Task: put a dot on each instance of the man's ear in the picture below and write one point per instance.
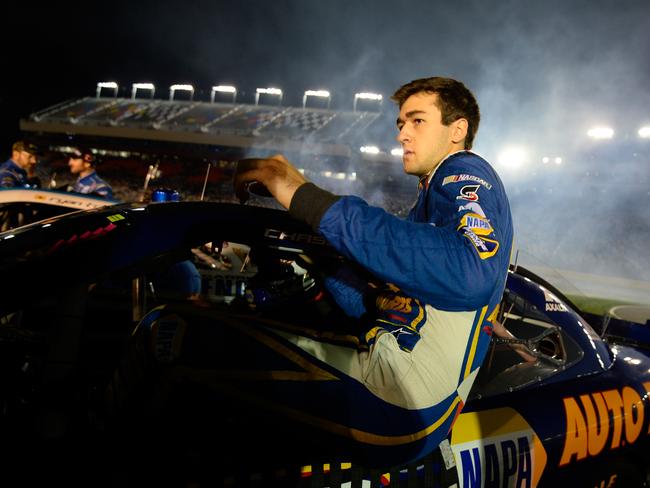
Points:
(459, 131)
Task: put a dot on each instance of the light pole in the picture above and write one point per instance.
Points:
(316, 93)
(223, 89)
(109, 85)
(366, 96)
(142, 86)
(268, 91)
(175, 88)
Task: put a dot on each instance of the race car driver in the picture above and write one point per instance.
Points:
(395, 396)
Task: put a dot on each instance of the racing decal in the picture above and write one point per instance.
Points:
(115, 217)
(473, 207)
(167, 337)
(52, 198)
(296, 237)
(552, 303)
(468, 192)
(610, 482)
(486, 247)
(479, 225)
(76, 238)
(589, 425)
(457, 178)
(307, 470)
(497, 448)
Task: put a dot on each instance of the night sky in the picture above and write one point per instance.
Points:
(539, 68)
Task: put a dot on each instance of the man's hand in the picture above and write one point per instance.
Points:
(276, 174)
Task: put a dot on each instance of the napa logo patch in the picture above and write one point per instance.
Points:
(473, 207)
(497, 448)
(486, 247)
(478, 224)
(457, 178)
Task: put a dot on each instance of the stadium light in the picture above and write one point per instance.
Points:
(397, 151)
(268, 91)
(175, 88)
(601, 133)
(556, 160)
(316, 93)
(107, 84)
(369, 149)
(513, 157)
(142, 86)
(366, 96)
(644, 132)
(223, 89)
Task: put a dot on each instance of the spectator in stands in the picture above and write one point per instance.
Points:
(18, 171)
(83, 163)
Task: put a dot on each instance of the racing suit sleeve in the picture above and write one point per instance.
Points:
(344, 285)
(349, 290)
(443, 265)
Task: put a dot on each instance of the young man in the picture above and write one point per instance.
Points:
(82, 162)
(392, 396)
(17, 171)
(448, 260)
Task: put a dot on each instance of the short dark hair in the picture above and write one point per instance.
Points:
(455, 101)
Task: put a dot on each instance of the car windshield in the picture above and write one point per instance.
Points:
(593, 294)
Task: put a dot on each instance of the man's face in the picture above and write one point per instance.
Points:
(77, 165)
(424, 139)
(25, 160)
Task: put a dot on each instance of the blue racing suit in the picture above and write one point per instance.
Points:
(92, 183)
(12, 175)
(446, 264)
(393, 394)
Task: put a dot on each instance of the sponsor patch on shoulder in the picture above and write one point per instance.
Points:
(457, 178)
(479, 225)
(472, 207)
(486, 247)
(468, 192)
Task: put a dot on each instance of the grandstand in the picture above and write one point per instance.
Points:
(114, 122)
(579, 206)
(185, 136)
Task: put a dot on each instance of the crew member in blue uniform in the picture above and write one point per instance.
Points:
(391, 393)
(83, 163)
(17, 171)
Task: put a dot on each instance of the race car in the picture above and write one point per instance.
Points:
(560, 400)
(20, 206)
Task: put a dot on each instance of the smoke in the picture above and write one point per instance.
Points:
(545, 78)
(543, 73)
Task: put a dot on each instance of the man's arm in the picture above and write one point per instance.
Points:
(438, 264)
(276, 174)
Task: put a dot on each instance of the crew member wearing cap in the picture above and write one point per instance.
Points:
(82, 163)
(17, 171)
